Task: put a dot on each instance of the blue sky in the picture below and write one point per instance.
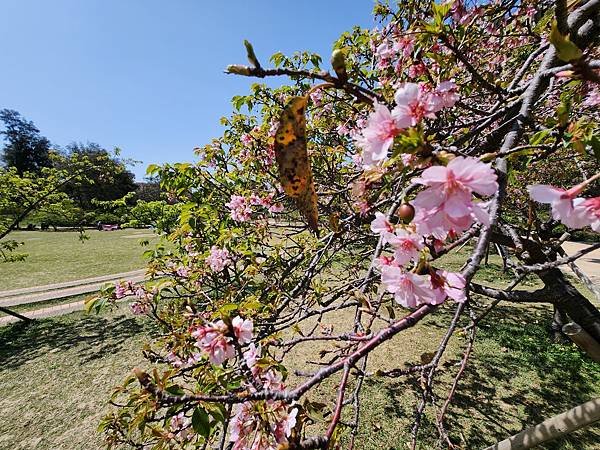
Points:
(147, 75)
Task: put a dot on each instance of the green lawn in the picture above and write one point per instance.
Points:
(56, 376)
(54, 257)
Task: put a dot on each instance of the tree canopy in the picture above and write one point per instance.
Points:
(24, 148)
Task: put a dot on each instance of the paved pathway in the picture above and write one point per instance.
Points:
(67, 289)
(58, 291)
(588, 263)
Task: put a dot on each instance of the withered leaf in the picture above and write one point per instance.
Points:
(295, 173)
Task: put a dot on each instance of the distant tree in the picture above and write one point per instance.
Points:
(148, 190)
(109, 180)
(24, 148)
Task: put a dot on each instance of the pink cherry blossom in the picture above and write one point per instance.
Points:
(410, 290)
(590, 207)
(406, 245)
(120, 290)
(214, 342)
(246, 139)
(362, 207)
(561, 202)
(263, 426)
(404, 45)
(242, 328)
(411, 105)
(445, 95)
(218, 259)
(592, 98)
(251, 356)
(181, 426)
(384, 55)
(449, 284)
(276, 208)
(381, 224)
(139, 308)
(255, 199)
(447, 204)
(384, 260)
(378, 135)
(240, 208)
(416, 70)
(182, 271)
(461, 174)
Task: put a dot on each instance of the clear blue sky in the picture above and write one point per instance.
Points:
(147, 75)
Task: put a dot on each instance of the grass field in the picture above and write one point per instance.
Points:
(56, 376)
(54, 257)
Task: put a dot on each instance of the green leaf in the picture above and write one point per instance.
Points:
(567, 50)
(200, 422)
(538, 137)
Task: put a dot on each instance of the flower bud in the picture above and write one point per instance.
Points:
(406, 212)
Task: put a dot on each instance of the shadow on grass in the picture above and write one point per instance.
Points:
(517, 377)
(94, 336)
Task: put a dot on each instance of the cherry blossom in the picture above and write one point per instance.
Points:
(218, 259)
(246, 139)
(120, 290)
(240, 208)
(242, 328)
(250, 429)
(591, 208)
(378, 135)
(412, 105)
(407, 245)
(561, 202)
(181, 426)
(447, 204)
(404, 45)
(381, 224)
(138, 308)
(410, 290)
(182, 271)
(214, 342)
(448, 284)
(445, 95)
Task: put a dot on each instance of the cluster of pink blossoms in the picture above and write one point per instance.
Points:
(218, 259)
(253, 148)
(128, 288)
(410, 289)
(241, 207)
(250, 430)
(262, 425)
(124, 288)
(447, 204)
(181, 427)
(413, 103)
(442, 210)
(572, 211)
(215, 341)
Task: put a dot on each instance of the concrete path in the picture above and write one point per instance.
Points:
(588, 263)
(57, 291)
(51, 311)
(67, 289)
